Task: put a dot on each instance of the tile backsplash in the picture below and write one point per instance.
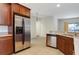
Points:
(3, 30)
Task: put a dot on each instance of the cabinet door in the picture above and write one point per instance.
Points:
(58, 41)
(21, 9)
(69, 46)
(5, 14)
(24, 11)
(9, 45)
(63, 44)
(27, 12)
(16, 8)
(6, 45)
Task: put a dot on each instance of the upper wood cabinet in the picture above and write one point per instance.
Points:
(24, 11)
(21, 9)
(7, 9)
(5, 14)
(16, 8)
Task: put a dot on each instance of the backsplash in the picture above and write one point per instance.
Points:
(3, 30)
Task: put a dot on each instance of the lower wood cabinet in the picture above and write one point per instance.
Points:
(6, 45)
(65, 44)
(69, 46)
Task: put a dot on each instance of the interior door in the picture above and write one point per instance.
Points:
(27, 32)
(18, 33)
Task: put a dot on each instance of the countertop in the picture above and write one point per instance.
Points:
(67, 35)
(4, 35)
(71, 35)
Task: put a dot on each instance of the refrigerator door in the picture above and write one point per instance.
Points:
(26, 32)
(18, 33)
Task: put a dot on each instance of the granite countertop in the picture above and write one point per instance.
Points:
(63, 34)
(67, 35)
(71, 35)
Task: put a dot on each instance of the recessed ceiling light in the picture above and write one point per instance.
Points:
(58, 5)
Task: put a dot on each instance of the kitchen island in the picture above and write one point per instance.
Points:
(64, 42)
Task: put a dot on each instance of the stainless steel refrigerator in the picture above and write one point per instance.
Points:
(21, 32)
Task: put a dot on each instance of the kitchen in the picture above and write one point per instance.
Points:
(15, 28)
(42, 23)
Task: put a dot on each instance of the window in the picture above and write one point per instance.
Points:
(73, 27)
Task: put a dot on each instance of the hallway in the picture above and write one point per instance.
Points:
(38, 47)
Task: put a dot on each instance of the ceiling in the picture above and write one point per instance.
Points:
(50, 9)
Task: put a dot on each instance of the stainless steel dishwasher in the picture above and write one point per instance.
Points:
(52, 40)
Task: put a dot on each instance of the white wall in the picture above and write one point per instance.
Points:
(41, 28)
(55, 24)
(33, 26)
(45, 24)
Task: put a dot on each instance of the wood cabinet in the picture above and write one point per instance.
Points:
(7, 10)
(5, 14)
(61, 43)
(21, 9)
(15, 8)
(6, 45)
(69, 46)
(65, 44)
(24, 11)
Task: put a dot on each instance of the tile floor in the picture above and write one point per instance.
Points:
(38, 47)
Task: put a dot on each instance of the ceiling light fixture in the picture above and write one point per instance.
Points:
(58, 5)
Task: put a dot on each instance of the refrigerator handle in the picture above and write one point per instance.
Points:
(23, 35)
